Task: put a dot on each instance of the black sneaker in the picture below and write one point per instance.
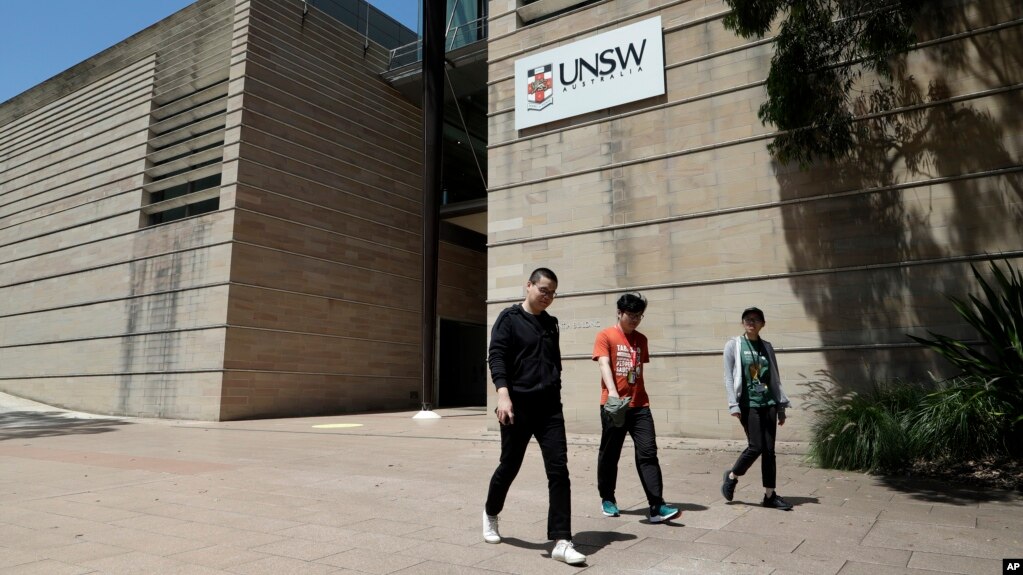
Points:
(776, 502)
(728, 486)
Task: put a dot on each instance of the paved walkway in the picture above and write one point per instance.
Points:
(383, 493)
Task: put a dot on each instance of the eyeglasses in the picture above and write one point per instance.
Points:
(547, 292)
(752, 320)
(633, 316)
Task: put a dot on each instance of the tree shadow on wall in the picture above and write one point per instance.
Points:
(35, 424)
(939, 180)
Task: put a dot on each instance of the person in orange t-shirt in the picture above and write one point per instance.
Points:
(621, 351)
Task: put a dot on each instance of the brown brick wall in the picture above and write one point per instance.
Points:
(302, 293)
(324, 312)
(97, 314)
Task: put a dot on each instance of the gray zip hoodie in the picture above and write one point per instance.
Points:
(733, 376)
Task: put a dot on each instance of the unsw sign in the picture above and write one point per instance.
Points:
(616, 67)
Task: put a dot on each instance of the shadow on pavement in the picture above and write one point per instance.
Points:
(797, 501)
(691, 507)
(516, 542)
(597, 540)
(594, 540)
(33, 424)
(794, 500)
(938, 491)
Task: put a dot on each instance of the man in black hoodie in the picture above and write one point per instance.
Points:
(525, 364)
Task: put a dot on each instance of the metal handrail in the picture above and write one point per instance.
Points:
(468, 33)
(462, 35)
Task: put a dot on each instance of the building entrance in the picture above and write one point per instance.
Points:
(463, 360)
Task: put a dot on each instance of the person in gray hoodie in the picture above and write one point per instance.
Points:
(525, 364)
(756, 399)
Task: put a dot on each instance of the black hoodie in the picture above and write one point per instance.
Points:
(525, 354)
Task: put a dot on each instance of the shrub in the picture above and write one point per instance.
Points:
(961, 420)
(982, 412)
(976, 414)
(861, 431)
(998, 319)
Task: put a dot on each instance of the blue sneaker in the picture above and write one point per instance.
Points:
(609, 508)
(662, 513)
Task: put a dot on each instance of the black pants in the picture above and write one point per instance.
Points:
(639, 423)
(760, 425)
(545, 421)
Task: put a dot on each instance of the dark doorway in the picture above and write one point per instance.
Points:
(463, 364)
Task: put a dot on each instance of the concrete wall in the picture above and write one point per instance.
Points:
(299, 295)
(677, 197)
(96, 312)
(324, 312)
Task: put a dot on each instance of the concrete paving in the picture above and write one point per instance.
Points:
(384, 493)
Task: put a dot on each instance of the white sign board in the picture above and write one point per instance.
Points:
(616, 67)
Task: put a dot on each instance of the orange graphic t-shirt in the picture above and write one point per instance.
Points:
(625, 353)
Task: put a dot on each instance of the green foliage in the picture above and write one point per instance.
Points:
(894, 425)
(961, 420)
(822, 48)
(977, 414)
(861, 431)
(998, 318)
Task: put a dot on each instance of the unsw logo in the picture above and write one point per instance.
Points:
(539, 87)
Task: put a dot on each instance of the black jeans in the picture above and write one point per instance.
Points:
(760, 425)
(544, 420)
(639, 423)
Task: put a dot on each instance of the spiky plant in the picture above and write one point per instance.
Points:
(997, 316)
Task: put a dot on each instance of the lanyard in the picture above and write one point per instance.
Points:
(632, 350)
(754, 368)
(754, 350)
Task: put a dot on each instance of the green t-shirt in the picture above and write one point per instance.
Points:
(755, 361)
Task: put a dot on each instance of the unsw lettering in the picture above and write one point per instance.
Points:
(604, 63)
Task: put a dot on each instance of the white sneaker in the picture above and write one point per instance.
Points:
(565, 551)
(490, 532)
